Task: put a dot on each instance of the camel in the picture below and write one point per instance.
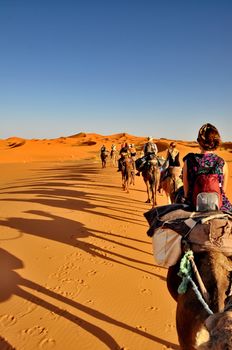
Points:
(128, 173)
(151, 177)
(104, 156)
(114, 157)
(172, 183)
(214, 268)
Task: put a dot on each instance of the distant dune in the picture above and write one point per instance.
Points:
(80, 146)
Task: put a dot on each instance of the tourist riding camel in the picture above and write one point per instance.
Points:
(194, 241)
(103, 149)
(113, 155)
(173, 155)
(150, 148)
(127, 171)
(171, 164)
(206, 163)
(172, 159)
(113, 149)
(132, 150)
(103, 155)
(123, 151)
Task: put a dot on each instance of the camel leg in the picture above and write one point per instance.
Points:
(127, 186)
(148, 194)
(132, 178)
(123, 181)
(153, 196)
(154, 200)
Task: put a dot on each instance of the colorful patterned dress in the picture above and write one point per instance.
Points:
(211, 163)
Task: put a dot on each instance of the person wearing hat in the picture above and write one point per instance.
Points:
(150, 148)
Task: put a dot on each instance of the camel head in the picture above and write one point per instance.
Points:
(217, 335)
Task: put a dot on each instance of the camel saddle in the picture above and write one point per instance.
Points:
(172, 224)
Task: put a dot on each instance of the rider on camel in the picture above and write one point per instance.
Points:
(150, 148)
(123, 151)
(209, 141)
(172, 160)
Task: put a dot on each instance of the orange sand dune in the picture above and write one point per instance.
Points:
(77, 270)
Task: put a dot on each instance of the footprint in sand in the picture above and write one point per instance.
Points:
(146, 277)
(66, 280)
(64, 271)
(47, 343)
(64, 293)
(7, 320)
(169, 327)
(53, 316)
(91, 273)
(27, 308)
(152, 308)
(141, 328)
(82, 282)
(146, 291)
(35, 331)
(107, 263)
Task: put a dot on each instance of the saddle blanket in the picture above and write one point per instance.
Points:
(171, 224)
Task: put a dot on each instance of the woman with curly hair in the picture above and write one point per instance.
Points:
(207, 161)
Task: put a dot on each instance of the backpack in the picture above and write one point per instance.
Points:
(149, 148)
(207, 194)
(140, 163)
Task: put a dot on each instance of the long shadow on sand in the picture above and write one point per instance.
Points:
(12, 283)
(69, 231)
(50, 193)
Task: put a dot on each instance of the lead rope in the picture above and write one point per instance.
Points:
(186, 265)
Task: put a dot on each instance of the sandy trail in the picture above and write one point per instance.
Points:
(77, 271)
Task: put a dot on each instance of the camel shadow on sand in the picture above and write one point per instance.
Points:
(54, 193)
(13, 284)
(50, 193)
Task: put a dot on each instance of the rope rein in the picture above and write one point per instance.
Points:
(187, 264)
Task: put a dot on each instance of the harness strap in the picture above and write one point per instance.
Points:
(199, 280)
(187, 264)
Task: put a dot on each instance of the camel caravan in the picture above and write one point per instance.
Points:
(191, 235)
(149, 164)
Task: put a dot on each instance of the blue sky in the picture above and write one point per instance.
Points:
(146, 67)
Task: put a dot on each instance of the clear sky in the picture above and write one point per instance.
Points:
(146, 67)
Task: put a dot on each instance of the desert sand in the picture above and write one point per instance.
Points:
(77, 269)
